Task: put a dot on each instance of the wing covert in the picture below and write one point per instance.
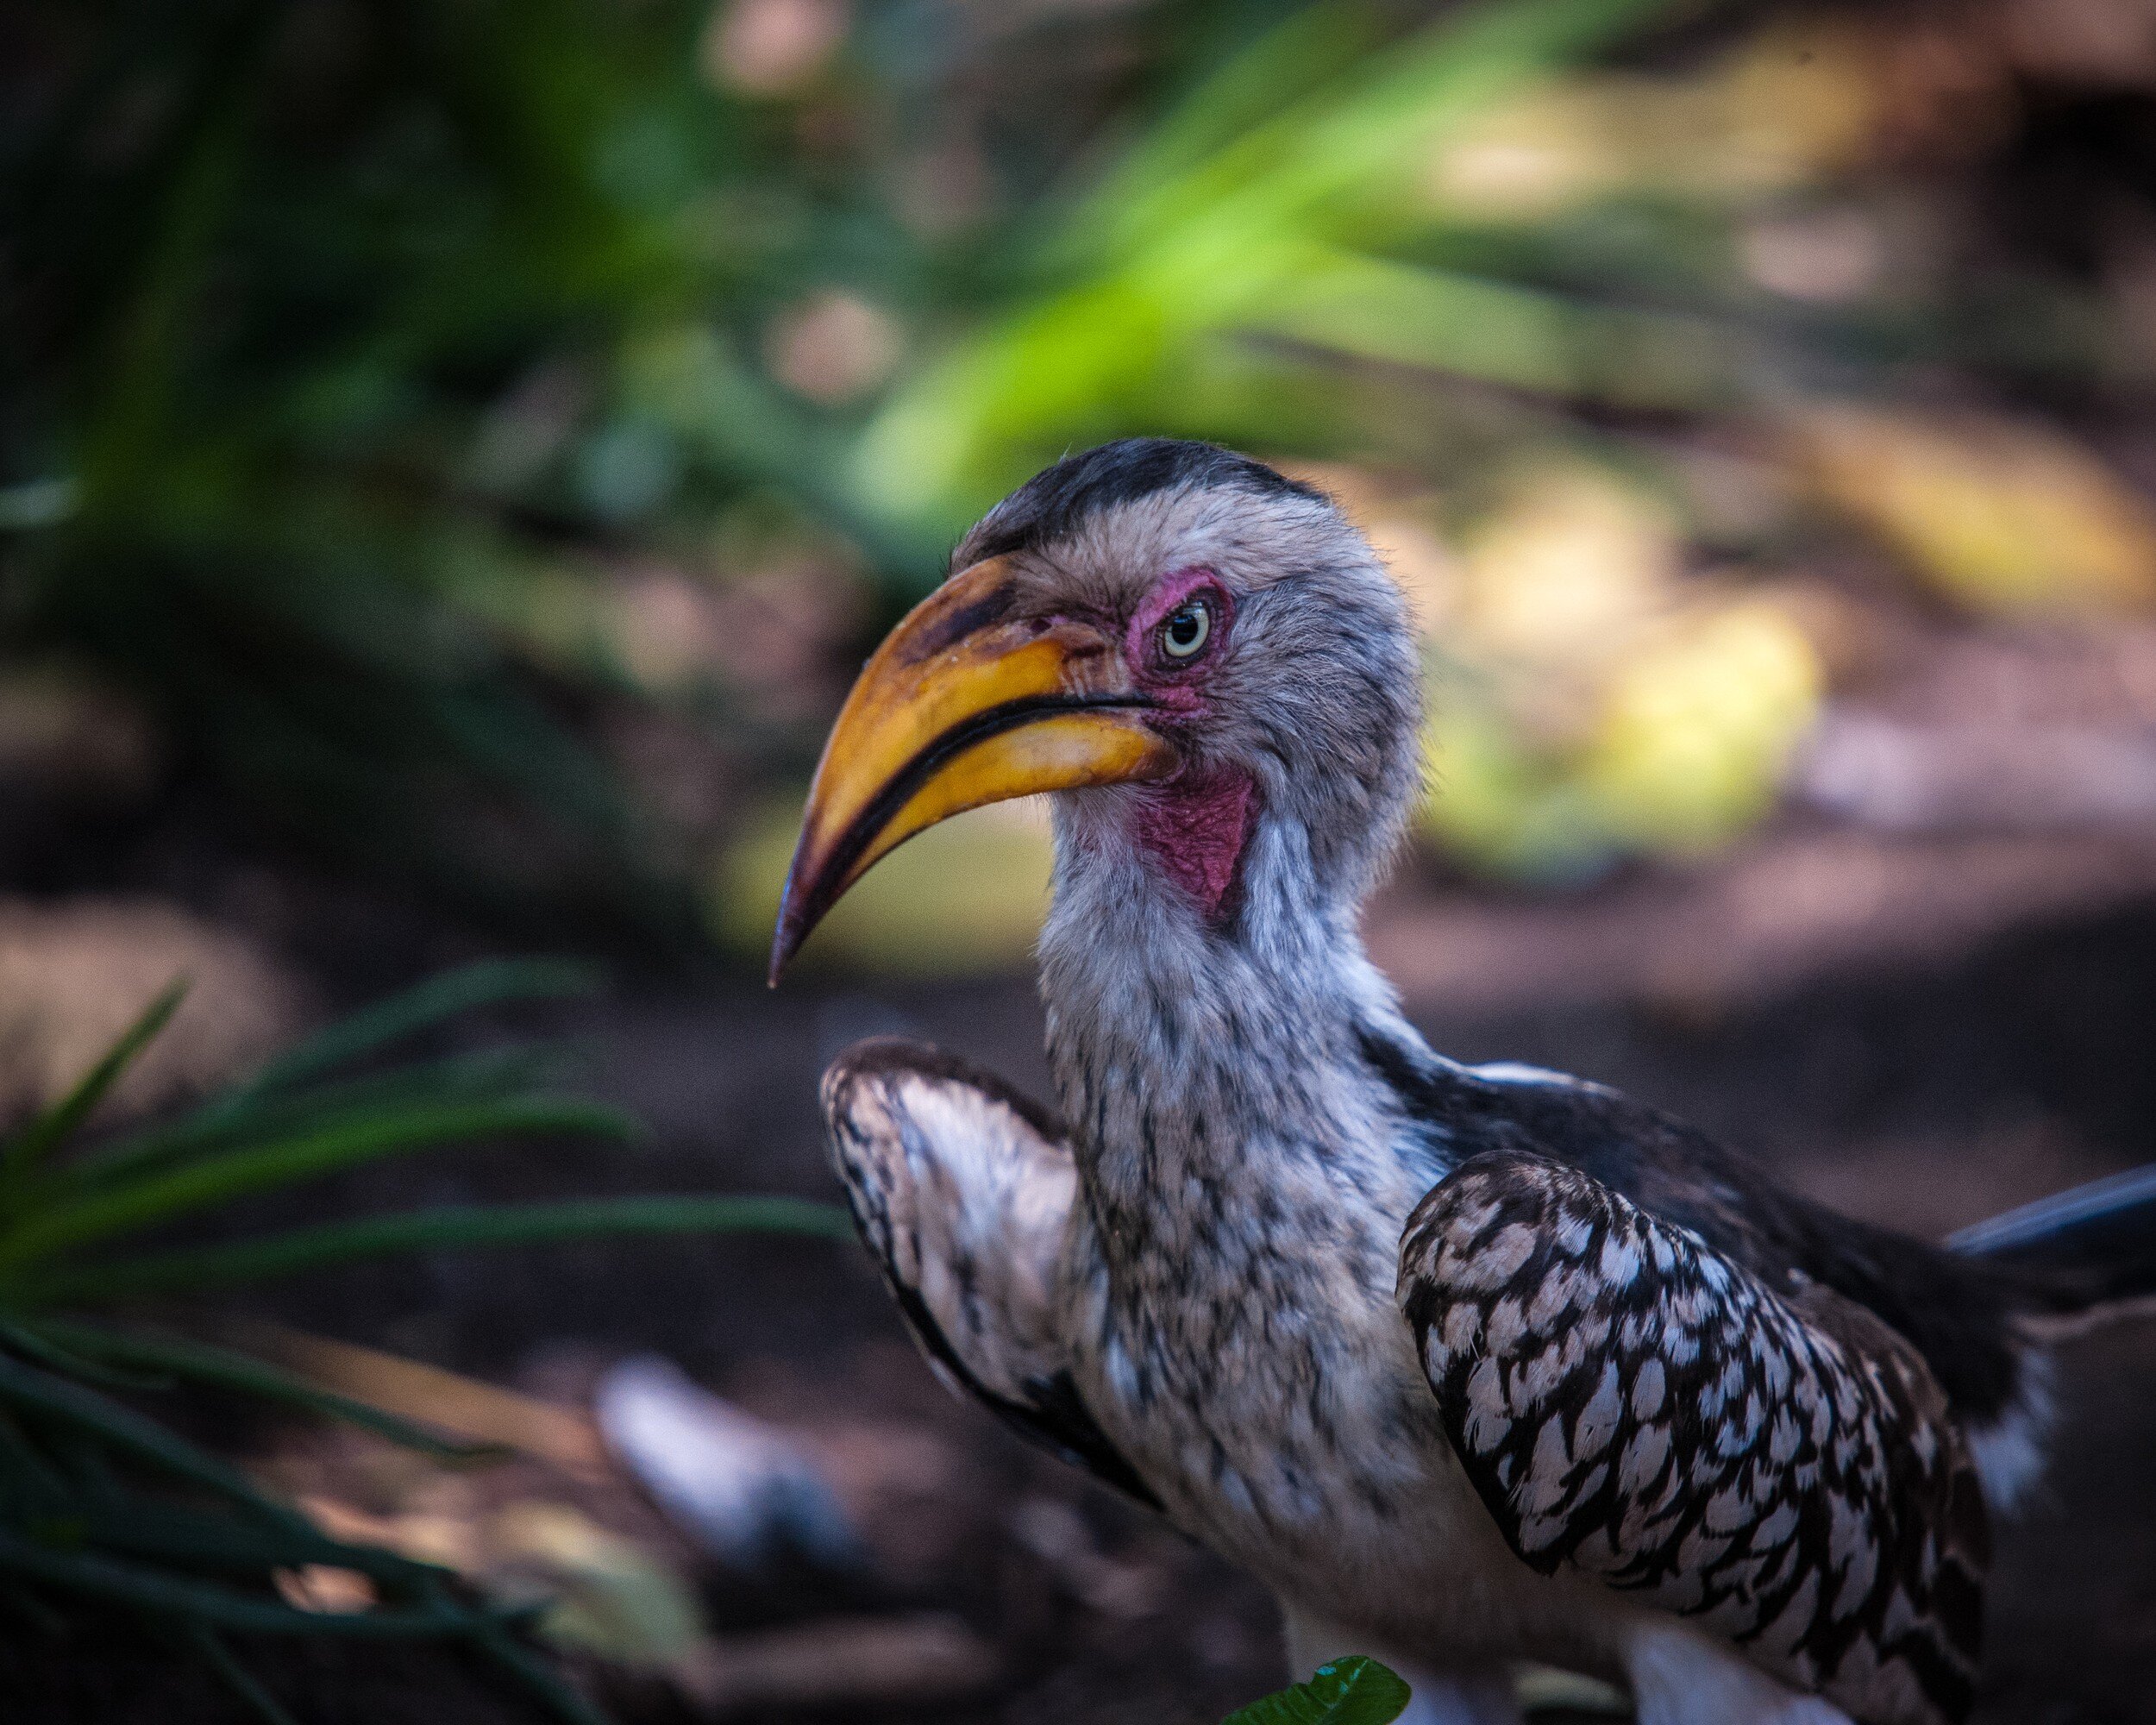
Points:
(1772, 1461)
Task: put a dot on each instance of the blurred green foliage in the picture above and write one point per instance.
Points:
(346, 336)
(477, 433)
(102, 1501)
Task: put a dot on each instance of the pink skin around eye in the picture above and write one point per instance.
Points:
(1178, 688)
(1197, 824)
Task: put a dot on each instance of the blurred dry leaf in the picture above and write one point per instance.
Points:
(461, 1407)
(766, 47)
(2000, 515)
(324, 1588)
(450, 1537)
(1827, 256)
(1786, 109)
(833, 347)
(611, 1595)
(75, 974)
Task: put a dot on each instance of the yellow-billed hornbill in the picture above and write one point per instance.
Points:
(1471, 1365)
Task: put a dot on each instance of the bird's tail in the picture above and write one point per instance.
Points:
(2082, 1255)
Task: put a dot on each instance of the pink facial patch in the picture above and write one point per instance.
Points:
(1196, 829)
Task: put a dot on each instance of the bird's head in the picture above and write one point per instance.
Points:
(1183, 643)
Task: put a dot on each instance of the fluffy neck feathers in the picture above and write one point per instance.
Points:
(1210, 1066)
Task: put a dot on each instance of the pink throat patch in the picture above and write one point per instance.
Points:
(1196, 829)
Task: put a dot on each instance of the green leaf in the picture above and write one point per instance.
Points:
(491, 982)
(227, 1370)
(37, 1139)
(54, 1355)
(491, 1074)
(361, 1136)
(245, 1687)
(131, 1526)
(450, 1228)
(1354, 1691)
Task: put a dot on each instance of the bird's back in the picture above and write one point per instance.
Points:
(1957, 1311)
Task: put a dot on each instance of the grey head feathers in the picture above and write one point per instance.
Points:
(1317, 693)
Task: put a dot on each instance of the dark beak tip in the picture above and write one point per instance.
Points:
(786, 941)
(799, 911)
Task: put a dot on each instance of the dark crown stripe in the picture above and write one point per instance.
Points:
(1056, 501)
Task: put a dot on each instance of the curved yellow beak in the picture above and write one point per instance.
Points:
(961, 705)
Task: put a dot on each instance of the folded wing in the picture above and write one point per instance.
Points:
(1770, 1460)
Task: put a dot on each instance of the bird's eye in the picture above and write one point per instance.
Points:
(1184, 632)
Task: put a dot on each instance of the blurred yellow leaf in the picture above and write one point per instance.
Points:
(1697, 728)
(1996, 515)
(1495, 803)
(1591, 700)
(1572, 565)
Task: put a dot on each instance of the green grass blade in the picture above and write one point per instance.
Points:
(42, 1395)
(225, 1369)
(36, 1140)
(491, 1074)
(362, 1136)
(56, 1356)
(195, 1539)
(245, 1687)
(531, 1674)
(449, 1228)
(491, 982)
(42, 1618)
(229, 1607)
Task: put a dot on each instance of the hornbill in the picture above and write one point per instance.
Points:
(1472, 1365)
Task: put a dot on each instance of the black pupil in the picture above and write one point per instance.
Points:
(1183, 628)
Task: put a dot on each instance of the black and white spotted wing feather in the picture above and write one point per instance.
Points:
(1770, 1460)
(963, 1190)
